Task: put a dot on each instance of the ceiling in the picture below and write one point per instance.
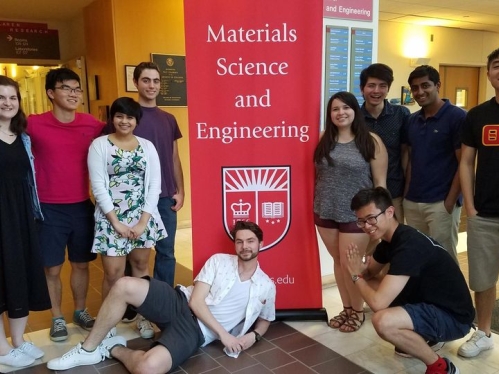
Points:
(466, 14)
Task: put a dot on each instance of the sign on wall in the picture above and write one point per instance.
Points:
(360, 10)
(173, 90)
(25, 42)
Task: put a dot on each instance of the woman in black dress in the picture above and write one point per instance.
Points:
(22, 280)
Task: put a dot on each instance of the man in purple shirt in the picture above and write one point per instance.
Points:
(162, 130)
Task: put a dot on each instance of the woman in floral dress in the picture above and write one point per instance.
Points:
(126, 182)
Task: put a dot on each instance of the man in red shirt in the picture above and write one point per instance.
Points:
(60, 142)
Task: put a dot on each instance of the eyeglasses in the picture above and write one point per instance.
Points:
(370, 220)
(67, 89)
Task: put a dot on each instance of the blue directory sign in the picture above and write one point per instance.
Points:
(361, 57)
(336, 60)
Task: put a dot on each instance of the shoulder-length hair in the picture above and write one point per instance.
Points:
(18, 123)
(363, 140)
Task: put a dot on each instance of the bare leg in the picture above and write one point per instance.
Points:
(361, 240)
(17, 327)
(127, 290)
(79, 283)
(139, 261)
(155, 361)
(114, 268)
(330, 237)
(5, 347)
(395, 326)
(484, 306)
(54, 284)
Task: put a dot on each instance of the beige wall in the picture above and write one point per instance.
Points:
(449, 47)
(123, 32)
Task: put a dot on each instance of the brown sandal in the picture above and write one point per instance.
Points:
(337, 321)
(353, 323)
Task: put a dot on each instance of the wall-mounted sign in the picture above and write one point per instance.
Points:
(361, 57)
(360, 10)
(173, 90)
(23, 25)
(29, 43)
(337, 53)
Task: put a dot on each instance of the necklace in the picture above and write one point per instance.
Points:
(6, 133)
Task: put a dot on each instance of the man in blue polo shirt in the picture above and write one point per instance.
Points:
(433, 194)
(389, 122)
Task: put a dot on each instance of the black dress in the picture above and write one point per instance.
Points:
(23, 286)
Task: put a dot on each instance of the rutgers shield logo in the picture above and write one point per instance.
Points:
(261, 195)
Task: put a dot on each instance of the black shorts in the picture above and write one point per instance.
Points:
(169, 310)
(67, 225)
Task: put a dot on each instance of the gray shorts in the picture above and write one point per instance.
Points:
(168, 309)
(483, 252)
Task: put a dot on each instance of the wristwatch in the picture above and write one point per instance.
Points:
(356, 277)
(258, 337)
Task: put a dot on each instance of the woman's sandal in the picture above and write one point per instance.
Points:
(353, 323)
(337, 321)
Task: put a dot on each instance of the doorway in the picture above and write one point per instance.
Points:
(460, 84)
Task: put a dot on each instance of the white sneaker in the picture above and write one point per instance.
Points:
(109, 343)
(477, 343)
(32, 350)
(111, 333)
(76, 357)
(145, 328)
(16, 358)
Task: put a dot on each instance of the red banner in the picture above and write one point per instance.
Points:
(254, 90)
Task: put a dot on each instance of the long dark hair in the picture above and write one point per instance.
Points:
(18, 123)
(363, 140)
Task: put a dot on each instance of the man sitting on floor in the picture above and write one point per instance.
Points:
(230, 293)
(423, 297)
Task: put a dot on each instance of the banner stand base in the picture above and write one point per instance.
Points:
(319, 314)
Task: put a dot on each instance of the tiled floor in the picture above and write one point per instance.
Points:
(282, 351)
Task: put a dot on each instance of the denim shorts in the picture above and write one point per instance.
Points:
(433, 323)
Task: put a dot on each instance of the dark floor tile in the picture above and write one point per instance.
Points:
(257, 369)
(214, 349)
(199, 364)
(232, 364)
(219, 370)
(314, 355)
(139, 343)
(80, 370)
(274, 358)
(39, 369)
(339, 365)
(115, 368)
(296, 368)
(278, 330)
(260, 347)
(293, 342)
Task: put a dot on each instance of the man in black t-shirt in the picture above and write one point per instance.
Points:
(423, 297)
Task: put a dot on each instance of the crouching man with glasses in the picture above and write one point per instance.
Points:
(423, 299)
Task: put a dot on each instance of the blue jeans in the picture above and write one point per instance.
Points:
(164, 262)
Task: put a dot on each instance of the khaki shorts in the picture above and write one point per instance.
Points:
(483, 252)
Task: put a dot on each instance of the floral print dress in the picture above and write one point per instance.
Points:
(126, 171)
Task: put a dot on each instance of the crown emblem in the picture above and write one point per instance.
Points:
(240, 209)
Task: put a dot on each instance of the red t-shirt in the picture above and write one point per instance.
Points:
(60, 151)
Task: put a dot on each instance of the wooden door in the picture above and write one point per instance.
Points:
(460, 86)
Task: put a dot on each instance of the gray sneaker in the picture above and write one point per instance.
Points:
(58, 330)
(76, 357)
(84, 320)
(145, 327)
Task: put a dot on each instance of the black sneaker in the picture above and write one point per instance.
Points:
(451, 368)
(84, 320)
(435, 346)
(58, 330)
(129, 316)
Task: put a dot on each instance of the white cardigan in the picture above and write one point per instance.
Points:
(99, 178)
